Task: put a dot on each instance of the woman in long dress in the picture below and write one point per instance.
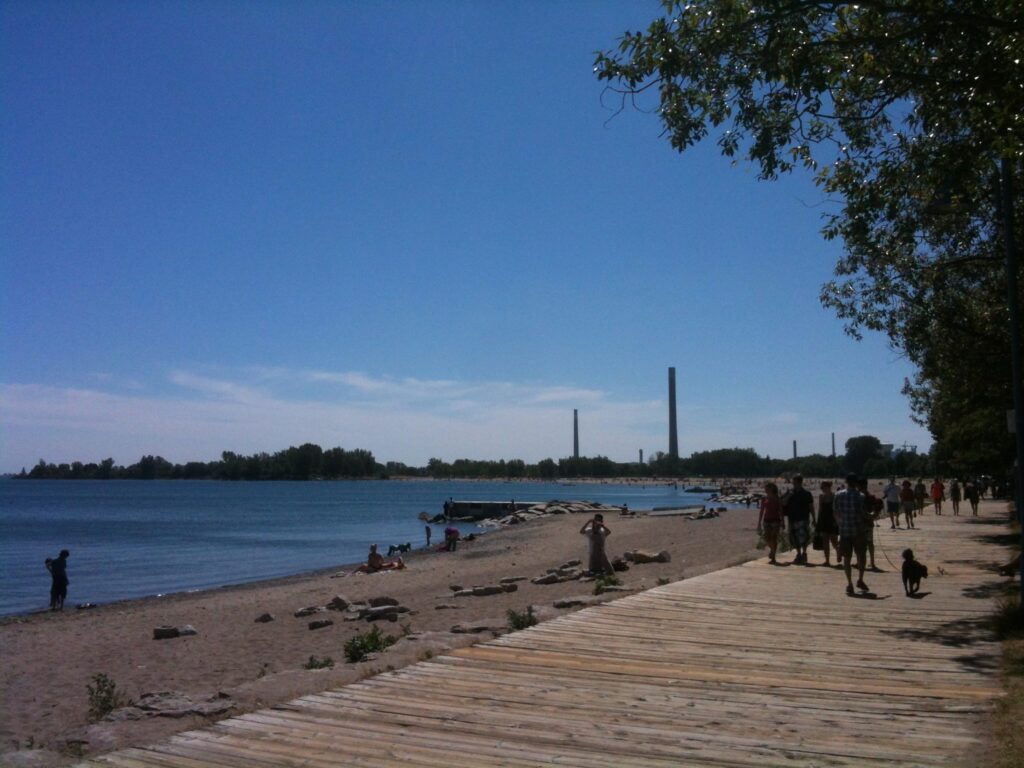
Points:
(596, 531)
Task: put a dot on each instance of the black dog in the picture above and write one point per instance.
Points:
(399, 548)
(913, 572)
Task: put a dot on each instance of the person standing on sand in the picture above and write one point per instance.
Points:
(850, 515)
(59, 580)
(770, 520)
(800, 511)
(954, 496)
(596, 531)
(427, 530)
(827, 522)
(938, 494)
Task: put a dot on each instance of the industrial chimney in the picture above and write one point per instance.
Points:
(575, 434)
(673, 437)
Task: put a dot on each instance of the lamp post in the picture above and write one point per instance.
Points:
(1006, 205)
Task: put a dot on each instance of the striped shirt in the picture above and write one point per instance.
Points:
(849, 507)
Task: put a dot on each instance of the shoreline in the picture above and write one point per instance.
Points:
(50, 658)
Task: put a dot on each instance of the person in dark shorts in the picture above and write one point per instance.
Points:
(800, 511)
(59, 580)
(826, 526)
(850, 516)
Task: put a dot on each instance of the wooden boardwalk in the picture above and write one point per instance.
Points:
(751, 666)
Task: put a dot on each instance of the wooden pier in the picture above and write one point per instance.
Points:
(751, 666)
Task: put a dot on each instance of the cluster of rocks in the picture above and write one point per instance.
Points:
(373, 609)
(496, 589)
(639, 556)
(569, 571)
(166, 632)
(171, 704)
(543, 509)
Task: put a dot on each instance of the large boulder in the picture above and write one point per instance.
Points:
(165, 632)
(639, 556)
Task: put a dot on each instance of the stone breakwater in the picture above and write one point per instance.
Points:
(548, 508)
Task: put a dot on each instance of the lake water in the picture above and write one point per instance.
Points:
(137, 538)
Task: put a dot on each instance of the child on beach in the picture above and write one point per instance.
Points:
(59, 580)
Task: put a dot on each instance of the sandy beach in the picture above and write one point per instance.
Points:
(50, 659)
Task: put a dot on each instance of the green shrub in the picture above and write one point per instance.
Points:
(608, 580)
(314, 663)
(359, 646)
(104, 697)
(1008, 619)
(517, 621)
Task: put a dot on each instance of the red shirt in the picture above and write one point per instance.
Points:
(771, 509)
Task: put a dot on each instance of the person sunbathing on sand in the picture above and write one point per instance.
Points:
(375, 562)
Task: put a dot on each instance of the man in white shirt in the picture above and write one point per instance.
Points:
(892, 502)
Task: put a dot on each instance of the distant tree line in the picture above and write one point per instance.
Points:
(310, 462)
(306, 462)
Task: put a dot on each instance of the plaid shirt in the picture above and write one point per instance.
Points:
(849, 507)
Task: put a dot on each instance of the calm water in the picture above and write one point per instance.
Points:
(137, 538)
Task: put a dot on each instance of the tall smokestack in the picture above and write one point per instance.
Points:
(833, 445)
(641, 457)
(673, 437)
(575, 434)
(794, 449)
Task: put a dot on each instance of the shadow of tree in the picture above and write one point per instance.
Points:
(960, 633)
(991, 589)
(986, 521)
(1008, 539)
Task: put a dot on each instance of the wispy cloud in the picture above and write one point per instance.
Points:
(199, 413)
(405, 419)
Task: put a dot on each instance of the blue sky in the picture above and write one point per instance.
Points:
(407, 227)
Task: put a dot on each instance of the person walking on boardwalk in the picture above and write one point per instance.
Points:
(972, 494)
(850, 518)
(892, 502)
(826, 526)
(596, 531)
(919, 493)
(908, 502)
(872, 508)
(938, 494)
(954, 495)
(770, 520)
(800, 511)
(58, 580)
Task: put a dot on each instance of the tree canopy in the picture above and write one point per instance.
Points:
(901, 111)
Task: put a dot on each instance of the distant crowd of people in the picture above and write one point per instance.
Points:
(844, 520)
